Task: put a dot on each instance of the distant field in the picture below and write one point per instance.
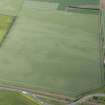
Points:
(5, 22)
(73, 1)
(13, 98)
(63, 3)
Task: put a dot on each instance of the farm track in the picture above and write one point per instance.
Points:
(36, 93)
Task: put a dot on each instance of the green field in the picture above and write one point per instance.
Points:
(14, 98)
(63, 3)
(73, 1)
(51, 49)
(5, 22)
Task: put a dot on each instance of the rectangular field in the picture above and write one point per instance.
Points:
(51, 49)
(73, 1)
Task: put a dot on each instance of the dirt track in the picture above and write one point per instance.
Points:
(89, 6)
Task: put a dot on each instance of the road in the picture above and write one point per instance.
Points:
(87, 97)
(37, 94)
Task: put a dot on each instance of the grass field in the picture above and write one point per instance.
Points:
(14, 98)
(51, 49)
(5, 22)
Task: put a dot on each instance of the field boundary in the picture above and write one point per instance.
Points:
(9, 28)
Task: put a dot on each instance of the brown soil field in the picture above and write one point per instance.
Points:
(103, 4)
